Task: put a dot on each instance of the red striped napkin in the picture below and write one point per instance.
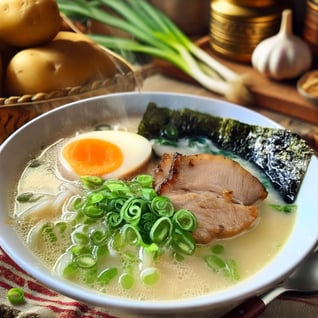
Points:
(40, 301)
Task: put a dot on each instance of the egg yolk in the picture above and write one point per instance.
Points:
(93, 157)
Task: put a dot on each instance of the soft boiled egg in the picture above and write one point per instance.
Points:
(107, 154)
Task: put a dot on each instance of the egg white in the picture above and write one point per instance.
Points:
(135, 148)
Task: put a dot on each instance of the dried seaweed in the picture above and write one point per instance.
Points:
(281, 154)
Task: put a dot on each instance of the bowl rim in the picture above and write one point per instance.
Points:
(271, 274)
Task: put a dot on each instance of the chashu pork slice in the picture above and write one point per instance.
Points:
(218, 190)
(217, 217)
(207, 172)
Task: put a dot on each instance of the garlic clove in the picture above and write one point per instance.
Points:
(284, 55)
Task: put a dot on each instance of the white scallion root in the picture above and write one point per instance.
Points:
(238, 91)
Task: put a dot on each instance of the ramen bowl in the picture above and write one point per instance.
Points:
(54, 125)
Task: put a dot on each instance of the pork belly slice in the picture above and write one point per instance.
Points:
(207, 172)
(219, 191)
(217, 217)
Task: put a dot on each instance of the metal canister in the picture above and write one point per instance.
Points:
(310, 32)
(253, 3)
(235, 29)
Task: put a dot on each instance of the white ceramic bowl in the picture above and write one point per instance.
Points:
(16, 151)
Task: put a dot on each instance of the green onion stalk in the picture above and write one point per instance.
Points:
(153, 33)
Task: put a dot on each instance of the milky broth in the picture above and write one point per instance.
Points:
(251, 250)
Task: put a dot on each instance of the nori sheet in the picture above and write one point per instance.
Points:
(281, 154)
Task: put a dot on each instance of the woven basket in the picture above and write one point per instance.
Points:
(15, 111)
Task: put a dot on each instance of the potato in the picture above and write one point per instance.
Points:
(26, 23)
(69, 60)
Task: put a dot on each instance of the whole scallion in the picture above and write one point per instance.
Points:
(153, 33)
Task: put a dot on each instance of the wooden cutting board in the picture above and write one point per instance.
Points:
(277, 96)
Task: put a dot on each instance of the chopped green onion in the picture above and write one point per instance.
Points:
(132, 235)
(215, 262)
(28, 197)
(90, 275)
(147, 221)
(117, 187)
(77, 250)
(162, 206)
(117, 241)
(85, 261)
(183, 242)
(80, 238)
(185, 220)
(132, 210)
(217, 249)
(98, 237)
(107, 275)
(145, 180)
(77, 203)
(161, 230)
(150, 275)
(70, 270)
(218, 264)
(286, 208)
(99, 251)
(48, 233)
(148, 194)
(16, 296)
(91, 182)
(126, 280)
(122, 221)
(93, 211)
(95, 197)
(114, 219)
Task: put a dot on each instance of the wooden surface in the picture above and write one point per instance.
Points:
(280, 96)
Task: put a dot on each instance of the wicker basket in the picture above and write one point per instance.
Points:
(15, 111)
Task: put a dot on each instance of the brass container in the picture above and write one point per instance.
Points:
(310, 32)
(191, 16)
(236, 30)
(253, 3)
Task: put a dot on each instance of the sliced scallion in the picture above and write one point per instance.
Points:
(126, 280)
(185, 220)
(107, 275)
(16, 296)
(150, 276)
(85, 261)
(161, 230)
(116, 221)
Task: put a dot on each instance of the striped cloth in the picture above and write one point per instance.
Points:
(40, 301)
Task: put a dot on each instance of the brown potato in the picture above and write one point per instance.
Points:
(69, 60)
(26, 23)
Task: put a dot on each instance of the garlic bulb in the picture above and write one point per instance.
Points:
(284, 55)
